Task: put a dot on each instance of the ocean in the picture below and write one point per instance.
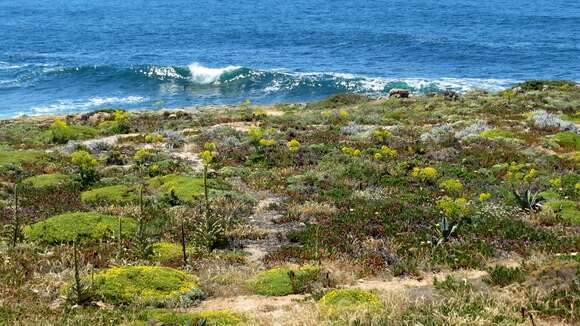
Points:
(63, 56)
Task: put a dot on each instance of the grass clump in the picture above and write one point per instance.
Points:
(452, 284)
(168, 252)
(117, 194)
(185, 188)
(81, 225)
(568, 139)
(47, 180)
(340, 301)
(210, 317)
(146, 285)
(503, 276)
(282, 281)
(497, 133)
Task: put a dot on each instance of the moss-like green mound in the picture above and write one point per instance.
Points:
(85, 226)
(118, 194)
(568, 140)
(341, 301)
(185, 187)
(19, 157)
(566, 209)
(47, 180)
(278, 281)
(168, 252)
(497, 133)
(211, 317)
(146, 285)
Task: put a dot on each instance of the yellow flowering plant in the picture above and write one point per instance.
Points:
(293, 145)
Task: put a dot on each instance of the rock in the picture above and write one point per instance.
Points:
(399, 92)
(450, 95)
(99, 117)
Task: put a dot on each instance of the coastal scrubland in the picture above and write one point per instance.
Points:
(427, 210)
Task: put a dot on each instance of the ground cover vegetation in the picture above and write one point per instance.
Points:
(431, 210)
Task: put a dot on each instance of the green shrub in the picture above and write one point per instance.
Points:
(341, 301)
(568, 140)
(279, 281)
(502, 276)
(452, 186)
(538, 85)
(186, 188)
(47, 180)
(85, 164)
(339, 100)
(85, 226)
(146, 285)
(168, 252)
(118, 194)
(566, 209)
(60, 132)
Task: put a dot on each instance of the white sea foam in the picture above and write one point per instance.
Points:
(64, 106)
(205, 75)
(163, 72)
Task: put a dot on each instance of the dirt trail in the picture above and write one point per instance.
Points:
(265, 218)
(279, 310)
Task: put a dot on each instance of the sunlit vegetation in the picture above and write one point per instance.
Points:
(426, 210)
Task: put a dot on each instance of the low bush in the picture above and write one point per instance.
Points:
(147, 286)
(84, 226)
(282, 281)
(117, 194)
(343, 301)
(185, 187)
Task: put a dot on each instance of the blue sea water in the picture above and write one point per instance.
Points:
(76, 55)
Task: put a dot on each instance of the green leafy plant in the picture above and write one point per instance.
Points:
(446, 230)
(528, 199)
(85, 164)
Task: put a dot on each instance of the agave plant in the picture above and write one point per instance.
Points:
(446, 230)
(528, 199)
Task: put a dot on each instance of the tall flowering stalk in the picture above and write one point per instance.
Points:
(207, 156)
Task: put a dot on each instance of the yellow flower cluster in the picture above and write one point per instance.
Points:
(452, 186)
(426, 174)
(267, 142)
(484, 196)
(454, 208)
(351, 151)
(59, 124)
(293, 145)
(208, 154)
(153, 138)
(516, 172)
(380, 134)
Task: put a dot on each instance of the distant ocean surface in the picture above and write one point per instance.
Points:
(62, 56)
